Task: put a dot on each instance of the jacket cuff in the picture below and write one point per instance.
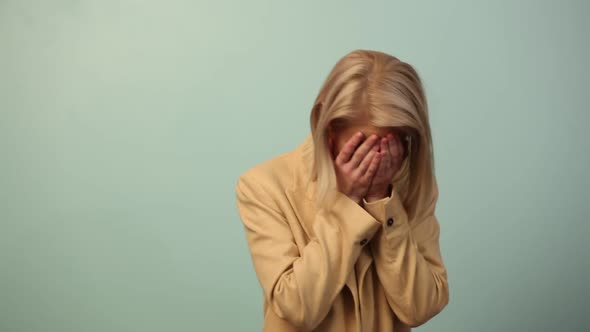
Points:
(391, 213)
(357, 223)
(377, 208)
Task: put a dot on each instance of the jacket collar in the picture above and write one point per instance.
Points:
(301, 162)
(301, 196)
(301, 192)
(305, 158)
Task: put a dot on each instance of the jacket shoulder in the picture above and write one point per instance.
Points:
(273, 175)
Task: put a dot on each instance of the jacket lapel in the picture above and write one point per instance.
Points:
(303, 208)
(300, 194)
(301, 197)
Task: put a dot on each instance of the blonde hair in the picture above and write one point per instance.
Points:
(375, 88)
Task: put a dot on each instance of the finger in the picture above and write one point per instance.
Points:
(392, 146)
(348, 149)
(386, 151)
(367, 159)
(374, 166)
(362, 150)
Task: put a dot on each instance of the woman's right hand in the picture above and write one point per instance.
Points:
(355, 167)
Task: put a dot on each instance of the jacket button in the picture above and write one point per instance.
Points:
(363, 242)
(389, 221)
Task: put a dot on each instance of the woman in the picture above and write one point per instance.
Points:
(342, 230)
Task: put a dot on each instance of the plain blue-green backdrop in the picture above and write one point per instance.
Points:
(125, 124)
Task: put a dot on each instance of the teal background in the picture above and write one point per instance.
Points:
(125, 124)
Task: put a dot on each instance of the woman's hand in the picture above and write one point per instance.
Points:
(392, 155)
(355, 167)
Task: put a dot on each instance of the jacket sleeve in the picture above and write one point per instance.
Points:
(408, 259)
(300, 286)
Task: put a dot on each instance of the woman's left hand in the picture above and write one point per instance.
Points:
(392, 155)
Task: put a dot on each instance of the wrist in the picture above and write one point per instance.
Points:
(379, 194)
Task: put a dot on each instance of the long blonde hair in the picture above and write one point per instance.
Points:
(375, 88)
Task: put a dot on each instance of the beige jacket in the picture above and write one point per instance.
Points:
(350, 268)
